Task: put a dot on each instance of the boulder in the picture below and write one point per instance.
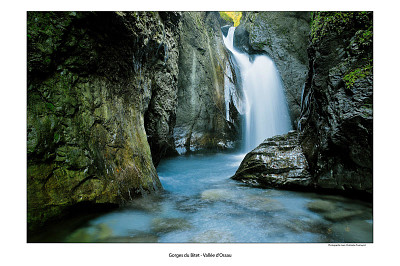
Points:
(277, 162)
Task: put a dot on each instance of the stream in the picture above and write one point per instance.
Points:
(200, 203)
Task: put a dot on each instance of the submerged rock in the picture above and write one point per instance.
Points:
(321, 206)
(277, 162)
(341, 214)
(260, 203)
(97, 233)
(216, 194)
(166, 225)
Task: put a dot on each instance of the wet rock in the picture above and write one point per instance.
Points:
(277, 162)
(337, 116)
(102, 86)
(200, 116)
(321, 206)
(166, 225)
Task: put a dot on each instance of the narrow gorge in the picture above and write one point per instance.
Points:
(180, 127)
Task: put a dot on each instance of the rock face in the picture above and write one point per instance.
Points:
(336, 124)
(201, 114)
(97, 81)
(277, 162)
(284, 36)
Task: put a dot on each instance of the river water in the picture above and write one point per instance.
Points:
(202, 204)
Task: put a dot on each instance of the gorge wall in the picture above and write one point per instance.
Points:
(337, 118)
(201, 122)
(101, 103)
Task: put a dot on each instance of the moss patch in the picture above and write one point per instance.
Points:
(357, 74)
(325, 22)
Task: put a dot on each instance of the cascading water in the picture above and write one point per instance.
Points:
(267, 113)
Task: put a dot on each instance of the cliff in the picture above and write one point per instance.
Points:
(101, 105)
(337, 117)
(201, 122)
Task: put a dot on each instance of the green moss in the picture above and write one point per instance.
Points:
(357, 74)
(50, 106)
(363, 37)
(56, 137)
(323, 23)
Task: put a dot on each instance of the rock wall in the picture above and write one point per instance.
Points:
(284, 37)
(200, 118)
(97, 82)
(337, 118)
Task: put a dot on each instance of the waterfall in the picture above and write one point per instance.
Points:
(266, 112)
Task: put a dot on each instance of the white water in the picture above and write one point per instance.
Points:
(267, 113)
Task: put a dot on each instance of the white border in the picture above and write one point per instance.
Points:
(13, 157)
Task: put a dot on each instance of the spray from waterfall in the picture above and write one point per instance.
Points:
(266, 112)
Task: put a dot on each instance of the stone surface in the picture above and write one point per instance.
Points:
(276, 162)
(337, 116)
(200, 118)
(96, 83)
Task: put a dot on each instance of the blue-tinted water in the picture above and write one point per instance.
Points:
(202, 204)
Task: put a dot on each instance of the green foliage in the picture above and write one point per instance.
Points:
(56, 137)
(50, 106)
(363, 37)
(324, 22)
(357, 74)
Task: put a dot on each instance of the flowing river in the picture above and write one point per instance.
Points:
(202, 204)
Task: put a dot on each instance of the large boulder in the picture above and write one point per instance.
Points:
(277, 162)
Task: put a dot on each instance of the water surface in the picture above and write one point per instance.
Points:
(202, 204)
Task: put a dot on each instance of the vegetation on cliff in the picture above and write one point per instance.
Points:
(232, 17)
